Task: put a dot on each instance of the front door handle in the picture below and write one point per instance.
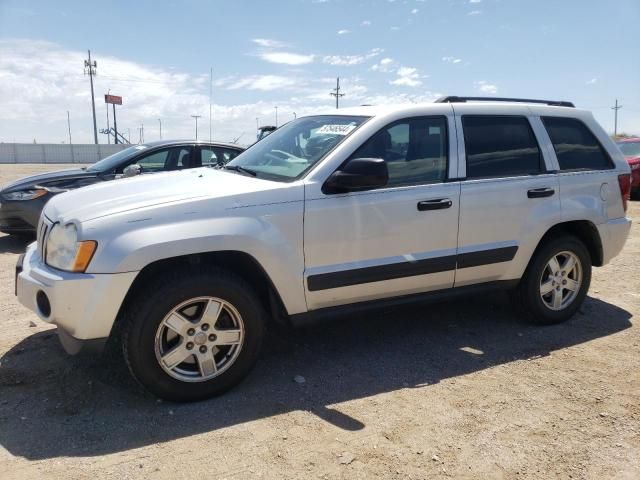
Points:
(540, 192)
(437, 204)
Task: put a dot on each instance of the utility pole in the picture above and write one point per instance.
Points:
(90, 69)
(210, 104)
(276, 116)
(108, 126)
(196, 117)
(160, 122)
(115, 125)
(615, 124)
(70, 144)
(69, 126)
(336, 93)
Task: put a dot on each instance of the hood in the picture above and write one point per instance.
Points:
(57, 179)
(145, 191)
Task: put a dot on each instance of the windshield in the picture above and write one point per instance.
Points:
(287, 153)
(112, 161)
(630, 149)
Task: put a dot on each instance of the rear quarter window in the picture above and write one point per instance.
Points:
(575, 145)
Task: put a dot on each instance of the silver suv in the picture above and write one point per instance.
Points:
(352, 209)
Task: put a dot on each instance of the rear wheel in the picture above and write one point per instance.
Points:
(556, 281)
(194, 335)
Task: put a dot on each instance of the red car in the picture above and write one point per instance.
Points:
(630, 148)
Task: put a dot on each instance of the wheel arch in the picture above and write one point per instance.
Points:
(584, 230)
(241, 263)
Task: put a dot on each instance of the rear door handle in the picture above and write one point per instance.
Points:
(437, 204)
(540, 192)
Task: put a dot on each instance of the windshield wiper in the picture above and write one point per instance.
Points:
(238, 168)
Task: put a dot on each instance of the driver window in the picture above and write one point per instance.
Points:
(415, 150)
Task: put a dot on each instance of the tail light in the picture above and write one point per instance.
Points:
(624, 181)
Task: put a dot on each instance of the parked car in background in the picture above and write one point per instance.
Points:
(630, 148)
(22, 201)
(332, 213)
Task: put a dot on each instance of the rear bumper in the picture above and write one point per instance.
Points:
(83, 306)
(613, 235)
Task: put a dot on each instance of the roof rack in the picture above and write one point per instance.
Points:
(454, 99)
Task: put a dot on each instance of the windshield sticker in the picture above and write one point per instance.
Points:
(336, 129)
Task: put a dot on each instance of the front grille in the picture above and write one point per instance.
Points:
(43, 228)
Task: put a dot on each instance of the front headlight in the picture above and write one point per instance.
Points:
(25, 194)
(65, 252)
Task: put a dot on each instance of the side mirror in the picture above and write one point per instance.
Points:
(358, 174)
(132, 170)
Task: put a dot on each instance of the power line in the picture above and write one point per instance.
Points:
(615, 124)
(90, 69)
(336, 93)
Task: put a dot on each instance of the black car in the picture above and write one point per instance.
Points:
(22, 201)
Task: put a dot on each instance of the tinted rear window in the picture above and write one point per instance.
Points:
(576, 147)
(500, 146)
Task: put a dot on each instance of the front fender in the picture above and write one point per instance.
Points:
(271, 234)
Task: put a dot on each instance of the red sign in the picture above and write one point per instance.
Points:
(113, 99)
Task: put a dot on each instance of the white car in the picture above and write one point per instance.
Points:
(349, 210)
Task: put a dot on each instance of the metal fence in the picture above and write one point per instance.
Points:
(55, 153)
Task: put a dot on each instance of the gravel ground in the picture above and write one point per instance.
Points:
(461, 389)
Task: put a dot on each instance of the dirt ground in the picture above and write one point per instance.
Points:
(461, 389)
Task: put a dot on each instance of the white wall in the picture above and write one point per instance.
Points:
(56, 152)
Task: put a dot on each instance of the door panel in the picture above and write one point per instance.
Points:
(378, 244)
(497, 214)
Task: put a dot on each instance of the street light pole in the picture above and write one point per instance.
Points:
(160, 122)
(276, 116)
(196, 117)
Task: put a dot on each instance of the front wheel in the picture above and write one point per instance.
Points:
(194, 334)
(556, 281)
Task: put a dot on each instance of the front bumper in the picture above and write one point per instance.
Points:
(613, 235)
(84, 306)
(21, 216)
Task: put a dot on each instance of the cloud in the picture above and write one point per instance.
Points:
(286, 58)
(486, 87)
(451, 60)
(350, 60)
(385, 65)
(365, 23)
(475, 1)
(262, 82)
(407, 77)
(474, 12)
(414, 11)
(268, 43)
(593, 81)
(344, 31)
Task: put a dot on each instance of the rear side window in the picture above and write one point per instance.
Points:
(576, 147)
(500, 146)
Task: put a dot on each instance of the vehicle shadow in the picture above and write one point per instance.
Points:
(14, 243)
(53, 405)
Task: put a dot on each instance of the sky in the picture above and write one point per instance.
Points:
(158, 56)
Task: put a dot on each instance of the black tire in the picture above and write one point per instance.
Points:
(527, 299)
(151, 305)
